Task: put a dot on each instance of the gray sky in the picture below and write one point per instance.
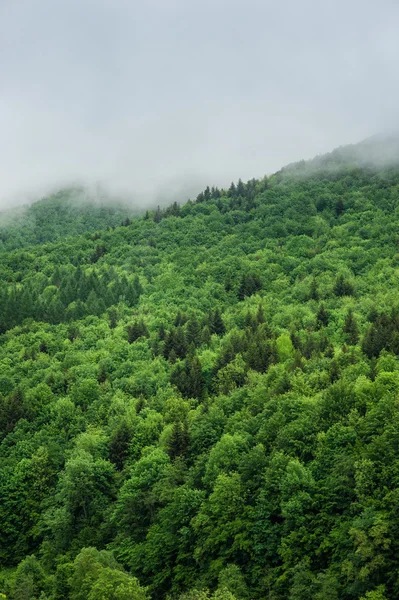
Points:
(160, 97)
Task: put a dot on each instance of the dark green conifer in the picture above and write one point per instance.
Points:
(351, 328)
(322, 317)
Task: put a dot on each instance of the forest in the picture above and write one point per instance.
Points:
(201, 402)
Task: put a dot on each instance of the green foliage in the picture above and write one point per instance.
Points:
(202, 403)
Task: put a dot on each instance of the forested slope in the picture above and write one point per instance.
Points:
(203, 402)
(66, 213)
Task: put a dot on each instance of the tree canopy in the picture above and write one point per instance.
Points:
(201, 402)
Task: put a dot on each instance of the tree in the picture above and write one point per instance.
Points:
(216, 324)
(342, 287)
(112, 584)
(313, 290)
(351, 328)
(85, 490)
(29, 579)
(377, 594)
(178, 442)
(260, 316)
(249, 285)
(322, 317)
(119, 445)
(196, 379)
(136, 331)
(157, 215)
(193, 331)
(339, 207)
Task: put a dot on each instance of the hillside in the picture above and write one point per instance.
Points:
(202, 403)
(67, 213)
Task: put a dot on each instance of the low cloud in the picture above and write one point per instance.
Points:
(153, 100)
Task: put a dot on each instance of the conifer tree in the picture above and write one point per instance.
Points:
(136, 331)
(113, 317)
(196, 380)
(260, 316)
(216, 324)
(339, 207)
(313, 291)
(193, 331)
(119, 445)
(206, 335)
(322, 317)
(343, 287)
(351, 328)
(178, 442)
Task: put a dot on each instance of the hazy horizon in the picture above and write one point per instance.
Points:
(155, 100)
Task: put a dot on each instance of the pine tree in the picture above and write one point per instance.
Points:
(343, 287)
(73, 332)
(240, 189)
(313, 291)
(172, 356)
(196, 380)
(119, 445)
(136, 331)
(322, 317)
(178, 442)
(180, 319)
(169, 343)
(250, 284)
(232, 191)
(158, 215)
(206, 335)
(215, 193)
(102, 373)
(260, 316)
(250, 321)
(193, 331)
(339, 207)
(351, 328)
(373, 314)
(113, 317)
(216, 324)
(161, 332)
(179, 342)
(98, 253)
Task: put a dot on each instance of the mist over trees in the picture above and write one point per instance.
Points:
(201, 403)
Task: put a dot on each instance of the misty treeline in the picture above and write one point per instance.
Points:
(69, 212)
(202, 402)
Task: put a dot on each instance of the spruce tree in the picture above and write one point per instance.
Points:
(216, 324)
(193, 331)
(313, 291)
(351, 328)
(260, 316)
(195, 378)
(322, 317)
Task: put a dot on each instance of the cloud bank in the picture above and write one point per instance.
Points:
(157, 98)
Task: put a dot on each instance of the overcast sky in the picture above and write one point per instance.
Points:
(160, 97)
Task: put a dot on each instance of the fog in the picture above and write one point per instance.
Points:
(153, 100)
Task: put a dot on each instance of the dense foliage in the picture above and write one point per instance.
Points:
(203, 402)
